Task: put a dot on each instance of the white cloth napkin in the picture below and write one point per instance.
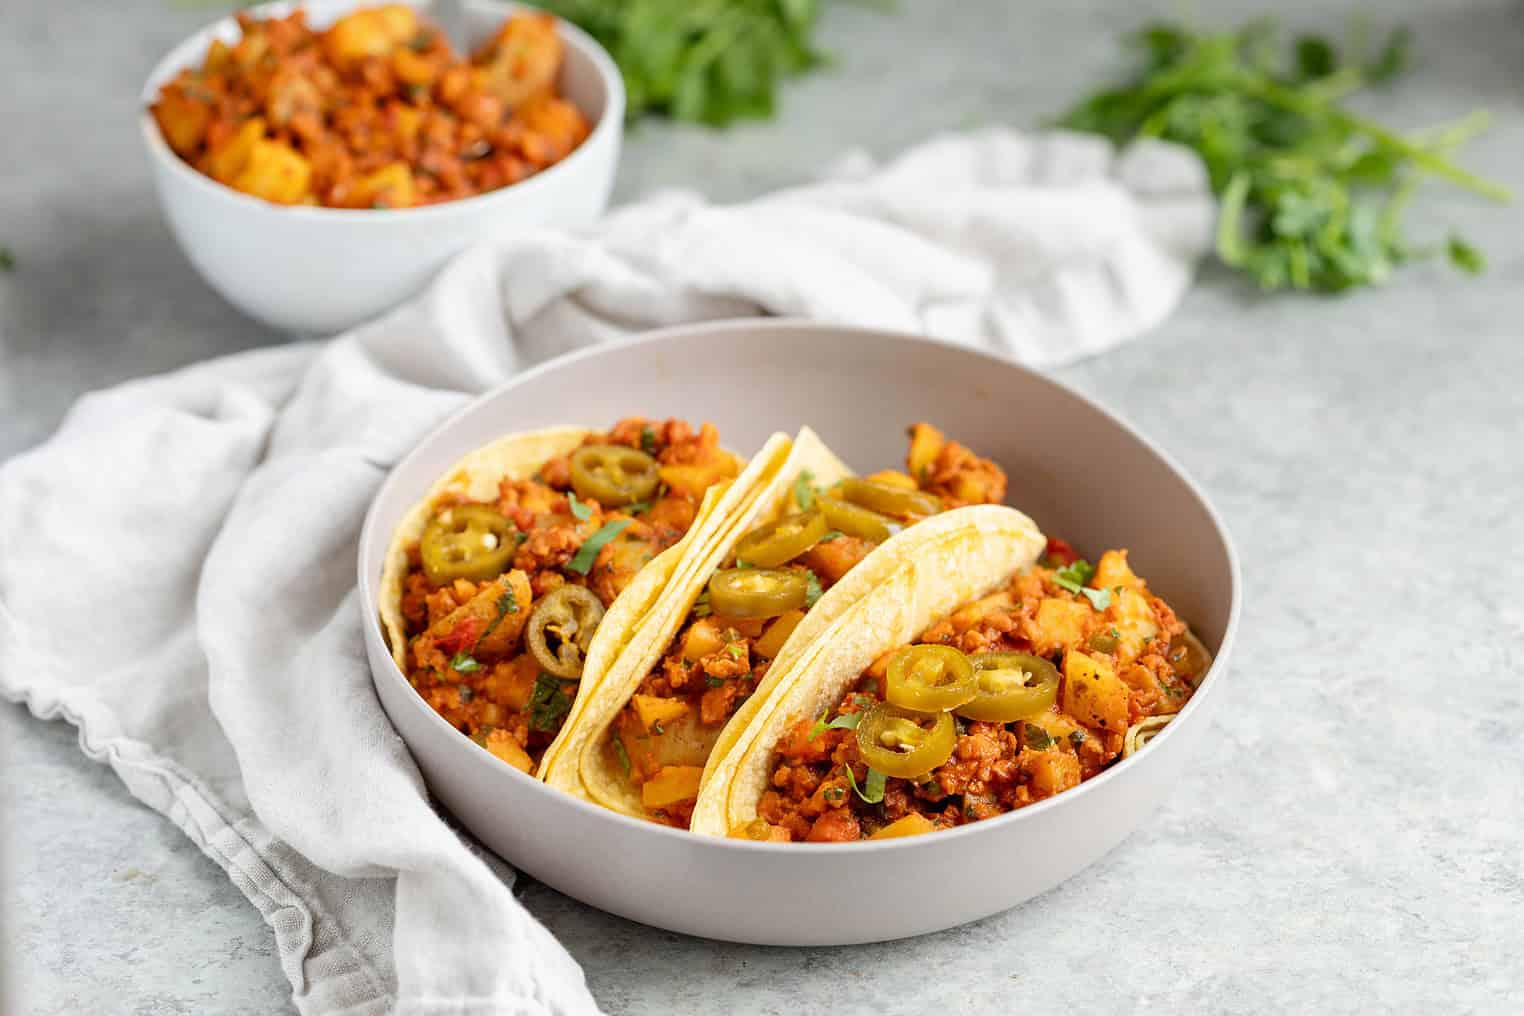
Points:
(177, 563)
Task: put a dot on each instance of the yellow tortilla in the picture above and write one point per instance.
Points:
(921, 575)
(585, 765)
(477, 477)
(617, 653)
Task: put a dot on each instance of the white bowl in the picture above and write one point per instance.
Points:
(321, 270)
(1067, 459)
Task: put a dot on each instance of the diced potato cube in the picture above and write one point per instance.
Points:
(1093, 693)
(913, 824)
(228, 159)
(512, 683)
(502, 744)
(694, 478)
(1060, 624)
(1134, 621)
(653, 709)
(374, 31)
(218, 54)
(1113, 570)
(926, 444)
(772, 640)
(704, 638)
(274, 172)
(182, 120)
(671, 785)
(1050, 772)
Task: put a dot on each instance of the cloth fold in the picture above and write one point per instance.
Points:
(177, 562)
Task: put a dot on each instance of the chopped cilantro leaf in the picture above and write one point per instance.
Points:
(624, 756)
(735, 650)
(834, 534)
(464, 663)
(506, 604)
(701, 606)
(637, 507)
(872, 790)
(804, 492)
(714, 682)
(1073, 578)
(834, 794)
(648, 440)
(548, 704)
(847, 721)
(582, 562)
(578, 509)
(1036, 737)
(1100, 599)
(743, 564)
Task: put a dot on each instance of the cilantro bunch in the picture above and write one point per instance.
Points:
(710, 61)
(1312, 195)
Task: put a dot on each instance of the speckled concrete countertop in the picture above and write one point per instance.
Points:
(1353, 838)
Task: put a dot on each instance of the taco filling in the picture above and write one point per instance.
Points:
(1011, 699)
(663, 737)
(501, 596)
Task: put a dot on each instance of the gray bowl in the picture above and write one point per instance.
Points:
(859, 389)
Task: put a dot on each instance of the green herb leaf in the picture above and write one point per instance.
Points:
(648, 440)
(1100, 599)
(1074, 576)
(742, 564)
(872, 790)
(1311, 194)
(711, 63)
(464, 663)
(813, 591)
(846, 721)
(714, 682)
(624, 756)
(834, 534)
(735, 650)
(548, 704)
(701, 606)
(804, 491)
(637, 507)
(1465, 257)
(1035, 737)
(578, 509)
(582, 562)
(507, 604)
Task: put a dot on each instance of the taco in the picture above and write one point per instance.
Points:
(508, 590)
(975, 680)
(811, 540)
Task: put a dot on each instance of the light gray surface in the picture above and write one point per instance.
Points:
(1353, 839)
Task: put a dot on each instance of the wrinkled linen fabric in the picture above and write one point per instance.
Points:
(213, 658)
